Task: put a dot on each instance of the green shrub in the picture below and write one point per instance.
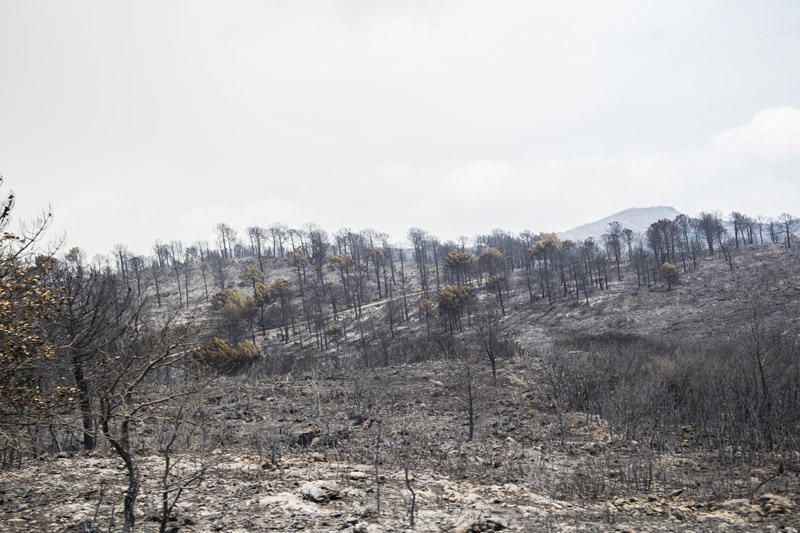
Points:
(227, 359)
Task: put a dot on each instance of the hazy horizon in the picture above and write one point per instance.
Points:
(156, 120)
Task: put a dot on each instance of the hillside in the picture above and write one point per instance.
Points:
(634, 218)
(320, 438)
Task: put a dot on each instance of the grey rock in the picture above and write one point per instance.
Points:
(320, 491)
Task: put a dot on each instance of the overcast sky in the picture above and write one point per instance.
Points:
(144, 120)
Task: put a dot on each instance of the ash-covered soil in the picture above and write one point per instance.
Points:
(312, 492)
(298, 454)
(703, 306)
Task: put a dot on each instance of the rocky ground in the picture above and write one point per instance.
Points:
(312, 492)
(297, 454)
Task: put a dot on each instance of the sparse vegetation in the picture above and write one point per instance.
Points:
(509, 370)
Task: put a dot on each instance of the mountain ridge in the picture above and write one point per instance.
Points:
(635, 218)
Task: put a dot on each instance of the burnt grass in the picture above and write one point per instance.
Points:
(360, 423)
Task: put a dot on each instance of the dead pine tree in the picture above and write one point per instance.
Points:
(466, 382)
(412, 508)
(489, 333)
(376, 461)
(470, 399)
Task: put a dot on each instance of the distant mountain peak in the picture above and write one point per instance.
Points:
(636, 218)
(655, 208)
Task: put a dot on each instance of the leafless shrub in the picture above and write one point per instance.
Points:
(739, 399)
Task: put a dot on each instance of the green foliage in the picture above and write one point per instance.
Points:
(453, 298)
(491, 260)
(669, 271)
(493, 282)
(426, 307)
(490, 254)
(226, 299)
(546, 244)
(227, 359)
(298, 258)
(26, 305)
(279, 288)
(341, 261)
(263, 294)
(458, 261)
(233, 310)
(251, 274)
(247, 350)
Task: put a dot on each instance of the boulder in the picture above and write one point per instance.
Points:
(320, 491)
(478, 524)
(362, 527)
(775, 504)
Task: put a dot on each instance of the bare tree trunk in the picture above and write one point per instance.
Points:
(471, 406)
(375, 462)
(500, 297)
(413, 506)
(134, 479)
(85, 404)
